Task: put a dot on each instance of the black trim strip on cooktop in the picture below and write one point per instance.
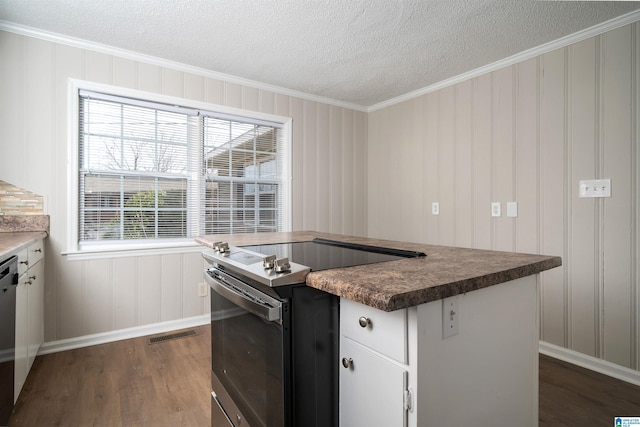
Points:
(368, 248)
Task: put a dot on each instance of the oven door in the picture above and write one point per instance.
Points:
(249, 352)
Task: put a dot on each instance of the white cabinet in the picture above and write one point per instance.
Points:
(403, 372)
(372, 388)
(29, 311)
(374, 373)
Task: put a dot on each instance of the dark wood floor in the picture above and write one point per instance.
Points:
(133, 383)
(125, 383)
(573, 396)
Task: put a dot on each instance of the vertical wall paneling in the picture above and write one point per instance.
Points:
(149, 296)
(583, 248)
(538, 128)
(552, 200)
(616, 142)
(297, 160)
(69, 303)
(194, 87)
(430, 167)
(250, 98)
(446, 166)
(214, 91)
(361, 184)
(38, 84)
(310, 162)
(323, 179)
(336, 160)
(482, 161)
(97, 296)
(282, 105)
(98, 67)
(191, 276)
(172, 82)
(171, 294)
(232, 95)
(125, 292)
(636, 205)
(125, 73)
(149, 77)
(464, 165)
(503, 148)
(266, 102)
(12, 84)
(527, 163)
(419, 213)
(347, 193)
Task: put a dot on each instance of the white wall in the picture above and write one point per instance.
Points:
(527, 133)
(93, 296)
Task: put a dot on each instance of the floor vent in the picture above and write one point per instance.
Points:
(163, 338)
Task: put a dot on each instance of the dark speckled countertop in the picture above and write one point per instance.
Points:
(444, 272)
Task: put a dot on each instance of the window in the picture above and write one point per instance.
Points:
(157, 172)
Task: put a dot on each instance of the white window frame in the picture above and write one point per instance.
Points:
(119, 248)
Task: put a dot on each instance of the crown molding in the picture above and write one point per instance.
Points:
(174, 65)
(596, 30)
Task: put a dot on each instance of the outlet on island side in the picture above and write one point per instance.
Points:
(202, 289)
(450, 316)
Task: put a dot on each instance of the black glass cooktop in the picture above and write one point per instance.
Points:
(321, 254)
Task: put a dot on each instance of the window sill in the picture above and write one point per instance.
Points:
(131, 250)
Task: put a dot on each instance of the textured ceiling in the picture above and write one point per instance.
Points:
(361, 52)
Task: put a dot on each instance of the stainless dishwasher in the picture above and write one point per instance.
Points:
(8, 285)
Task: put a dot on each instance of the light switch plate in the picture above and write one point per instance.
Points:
(595, 188)
(512, 209)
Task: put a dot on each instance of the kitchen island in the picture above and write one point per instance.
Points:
(450, 338)
(444, 272)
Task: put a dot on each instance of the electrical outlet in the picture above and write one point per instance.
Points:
(450, 316)
(202, 289)
(496, 209)
(435, 208)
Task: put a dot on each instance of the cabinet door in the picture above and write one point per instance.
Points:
(35, 311)
(371, 389)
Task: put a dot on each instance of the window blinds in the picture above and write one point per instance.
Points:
(156, 171)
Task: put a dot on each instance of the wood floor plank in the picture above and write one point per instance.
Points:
(133, 383)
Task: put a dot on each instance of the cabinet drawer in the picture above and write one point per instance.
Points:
(36, 252)
(384, 332)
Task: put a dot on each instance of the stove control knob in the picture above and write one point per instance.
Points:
(269, 262)
(282, 265)
(221, 247)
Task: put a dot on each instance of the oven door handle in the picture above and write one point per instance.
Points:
(265, 311)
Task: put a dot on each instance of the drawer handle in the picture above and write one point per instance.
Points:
(32, 278)
(364, 321)
(347, 363)
(37, 250)
(25, 262)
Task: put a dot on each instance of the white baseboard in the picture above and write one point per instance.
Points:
(122, 334)
(598, 365)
